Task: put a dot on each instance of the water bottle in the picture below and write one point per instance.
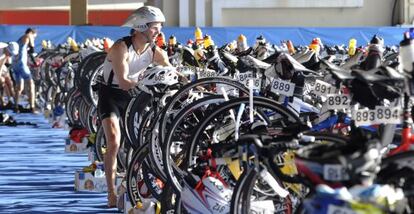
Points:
(260, 40)
(242, 43)
(160, 41)
(208, 41)
(172, 41)
(99, 171)
(407, 58)
(377, 40)
(198, 35)
(315, 45)
(190, 43)
(69, 40)
(72, 43)
(407, 53)
(106, 44)
(290, 47)
(44, 44)
(352, 47)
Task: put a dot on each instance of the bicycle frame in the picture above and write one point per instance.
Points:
(407, 138)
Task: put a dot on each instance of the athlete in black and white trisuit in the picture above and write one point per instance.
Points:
(125, 63)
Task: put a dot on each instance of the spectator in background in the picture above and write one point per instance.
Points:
(21, 69)
(7, 51)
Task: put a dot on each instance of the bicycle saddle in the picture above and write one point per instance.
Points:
(306, 57)
(382, 74)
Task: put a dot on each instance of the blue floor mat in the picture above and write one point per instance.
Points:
(37, 176)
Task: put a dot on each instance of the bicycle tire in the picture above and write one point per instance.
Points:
(166, 146)
(185, 89)
(224, 107)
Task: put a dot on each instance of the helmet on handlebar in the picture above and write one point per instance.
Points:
(339, 164)
(209, 196)
(158, 76)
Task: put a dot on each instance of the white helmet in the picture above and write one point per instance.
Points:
(158, 75)
(212, 192)
(13, 48)
(140, 19)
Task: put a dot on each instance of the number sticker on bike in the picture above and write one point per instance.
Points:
(283, 87)
(390, 115)
(334, 172)
(159, 77)
(206, 74)
(243, 77)
(338, 101)
(186, 70)
(323, 88)
(257, 83)
(381, 114)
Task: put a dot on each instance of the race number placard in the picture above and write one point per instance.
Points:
(243, 77)
(257, 83)
(338, 101)
(207, 73)
(323, 88)
(282, 87)
(381, 114)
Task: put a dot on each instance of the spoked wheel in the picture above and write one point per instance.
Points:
(139, 174)
(254, 193)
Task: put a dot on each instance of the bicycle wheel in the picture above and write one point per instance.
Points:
(179, 135)
(219, 126)
(134, 118)
(184, 94)
(83, 112)
(397, 170)
(100, 144)
(88, 84)
(74, 110)
(92, 120)
(83, 65)
(139, 173)
(251, 194)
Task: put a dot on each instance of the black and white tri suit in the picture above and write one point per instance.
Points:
(113, 100)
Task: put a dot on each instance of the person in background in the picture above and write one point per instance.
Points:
(124, 65)
(21, 69)
(7, 51)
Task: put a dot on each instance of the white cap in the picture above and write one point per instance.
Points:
(142, 16)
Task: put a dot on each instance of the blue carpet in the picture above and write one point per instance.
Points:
(37, 176)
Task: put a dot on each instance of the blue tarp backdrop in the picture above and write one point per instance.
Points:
(221, 35)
